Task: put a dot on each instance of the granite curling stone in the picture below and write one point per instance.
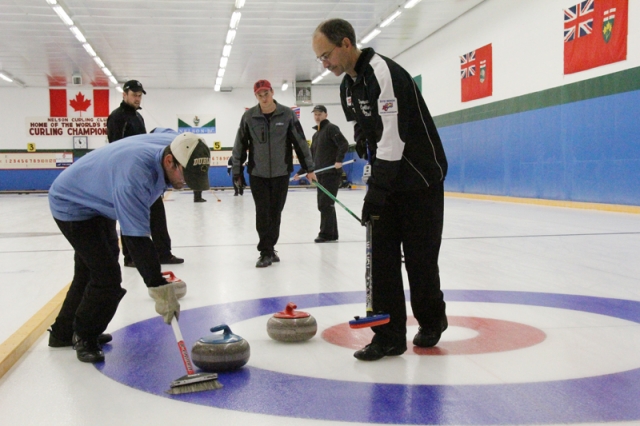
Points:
(180, 287)
(291, 325)
(220, 352)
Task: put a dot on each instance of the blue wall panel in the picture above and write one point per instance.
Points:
(582, 151)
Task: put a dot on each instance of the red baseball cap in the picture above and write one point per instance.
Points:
(261, 85)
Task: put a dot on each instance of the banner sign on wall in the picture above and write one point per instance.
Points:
(595, 34)
(79, 103)
(66, 126)
(476, 71)
(198, 124)
(35, 160)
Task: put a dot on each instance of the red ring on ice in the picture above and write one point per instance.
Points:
(493, 336)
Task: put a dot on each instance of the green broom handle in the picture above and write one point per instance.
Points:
(324, 169)
(330, 195)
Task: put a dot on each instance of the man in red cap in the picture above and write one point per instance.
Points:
(269, 132)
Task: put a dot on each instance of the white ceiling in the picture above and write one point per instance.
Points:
(178, 43)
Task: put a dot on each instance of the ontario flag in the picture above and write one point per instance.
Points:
(476, 74)
(78, 102)
(595, 34)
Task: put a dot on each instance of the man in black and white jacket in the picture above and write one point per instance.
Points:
(393, 127)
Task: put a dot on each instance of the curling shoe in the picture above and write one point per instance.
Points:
(87, 350)
(274, 256)
(375, 351)
(430, 338)
(264, 260)
(55, 342)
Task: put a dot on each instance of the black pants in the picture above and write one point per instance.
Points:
(413, 219)
(328, 220)
(159, 232)
(95, 292)
(269, 195)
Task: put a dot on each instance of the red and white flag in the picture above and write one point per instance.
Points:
(78, 102)
(476, 71)
(595, 34)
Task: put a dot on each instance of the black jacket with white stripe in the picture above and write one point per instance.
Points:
(389, 111)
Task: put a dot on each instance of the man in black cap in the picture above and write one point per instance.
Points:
(328, 148)
(126, 121)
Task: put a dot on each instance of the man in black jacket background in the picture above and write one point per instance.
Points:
(328, 148)
(126, 121)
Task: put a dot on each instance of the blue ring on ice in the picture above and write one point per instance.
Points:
(144, 356)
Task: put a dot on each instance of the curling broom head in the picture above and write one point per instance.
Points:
(370, 321)
(194, 383)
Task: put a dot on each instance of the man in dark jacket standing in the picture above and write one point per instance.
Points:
(328, 148)
(126, 121)
(405, 197)
(270, 132)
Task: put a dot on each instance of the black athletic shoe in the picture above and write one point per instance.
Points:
(87, 350)
(264, 260)
(200, 200)
(54, 342)
(129, 263)
(320, 239)
(274, 256)
(172, 260)
(374, 351)
(430, 338)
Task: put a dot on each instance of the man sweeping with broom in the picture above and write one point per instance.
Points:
(117, 182)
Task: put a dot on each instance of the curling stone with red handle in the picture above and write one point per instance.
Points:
(291, 325)
(220, 352)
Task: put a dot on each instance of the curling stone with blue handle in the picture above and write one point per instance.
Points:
(220, 352)
(291, 325)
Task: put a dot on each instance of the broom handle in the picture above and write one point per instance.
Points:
(183, 349)
(324, 169)
(330, 195)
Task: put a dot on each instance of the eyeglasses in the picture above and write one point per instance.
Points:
(326, 56)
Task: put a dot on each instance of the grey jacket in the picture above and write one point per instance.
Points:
(270, 143)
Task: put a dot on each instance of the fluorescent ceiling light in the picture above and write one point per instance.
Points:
(52, 2)
(89, 49)
(326, 73)
(218, 81)
(221, 72)
(390, 19)
(216, 88)
(231, 34)
(76, 32)
(113, 80)
(226, 50)
(235, 19)
(366, 39)
(285, 85)
(99, 61)
(411, 3)
(317, 79)
(107, 71)
(63, 15)
(223, 62)
(6, 77)
(119, 89)
(239, 4)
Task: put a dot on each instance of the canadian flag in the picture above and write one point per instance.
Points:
(77, 102)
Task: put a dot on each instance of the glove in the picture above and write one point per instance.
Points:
(369, 211)
(166, 301)
(361, 148)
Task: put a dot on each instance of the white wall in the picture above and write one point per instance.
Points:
(160, 108)
(528, 55)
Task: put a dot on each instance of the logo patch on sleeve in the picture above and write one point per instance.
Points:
(387, 106)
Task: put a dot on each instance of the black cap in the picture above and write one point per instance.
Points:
(134, 86)
(320, 108)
